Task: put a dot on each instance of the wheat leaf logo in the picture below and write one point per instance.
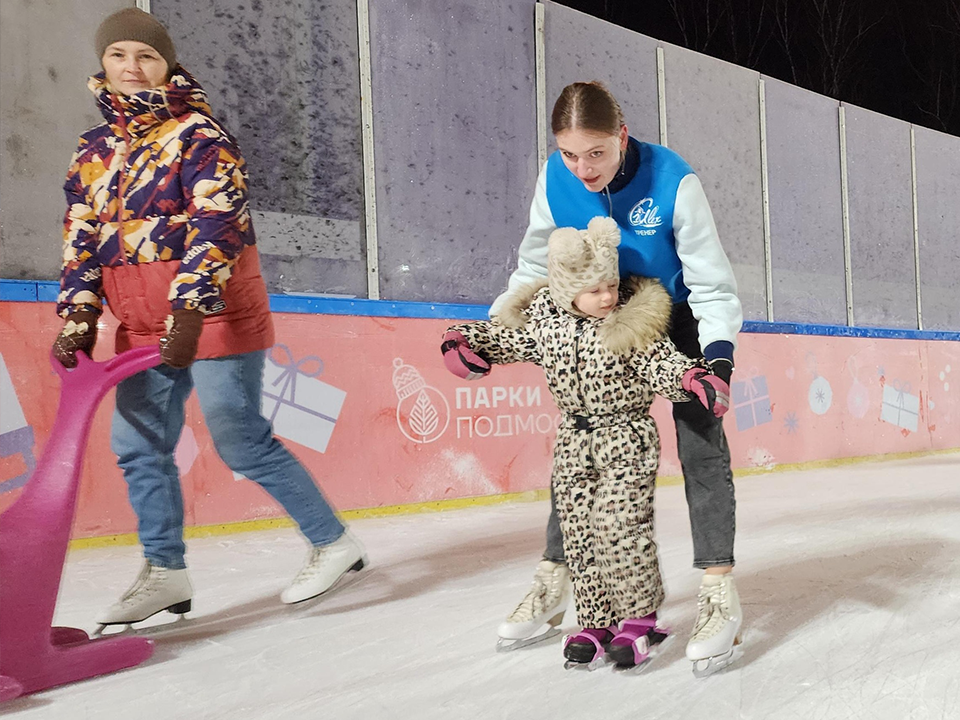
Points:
(424, 417)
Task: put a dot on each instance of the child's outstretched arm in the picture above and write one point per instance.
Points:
(469, 349)
(679, 378)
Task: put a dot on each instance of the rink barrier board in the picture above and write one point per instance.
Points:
(202, 531)
(352, 382)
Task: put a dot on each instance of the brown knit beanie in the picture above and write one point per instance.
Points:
(137, 25)
(579, 259)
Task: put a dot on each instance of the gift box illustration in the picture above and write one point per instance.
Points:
(300, 407)
(16, 436)
(751, 402)
(899, 407)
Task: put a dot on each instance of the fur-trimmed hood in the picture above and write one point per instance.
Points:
(513, 312)
(641, 319)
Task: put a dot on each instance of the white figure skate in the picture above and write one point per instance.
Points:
(539, 614)
(716, 637)
(326, 566)
(156, 589)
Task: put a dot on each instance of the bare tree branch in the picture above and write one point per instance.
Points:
(698, 21)
(930, 43)
(746, 22)
(786, 23)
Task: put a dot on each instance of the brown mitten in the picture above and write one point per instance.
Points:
(178, 348)
(79, 333)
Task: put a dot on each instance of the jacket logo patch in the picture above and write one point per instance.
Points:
(645, 217)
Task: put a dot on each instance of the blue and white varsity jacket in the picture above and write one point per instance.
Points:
(667, 232)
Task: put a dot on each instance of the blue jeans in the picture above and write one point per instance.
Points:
(146, 427)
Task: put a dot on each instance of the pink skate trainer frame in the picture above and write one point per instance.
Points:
(34, 533)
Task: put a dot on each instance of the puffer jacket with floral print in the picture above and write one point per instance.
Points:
(157, 220)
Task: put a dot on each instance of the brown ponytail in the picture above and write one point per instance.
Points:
(587, 106)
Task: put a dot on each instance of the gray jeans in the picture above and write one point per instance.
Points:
(705, 460)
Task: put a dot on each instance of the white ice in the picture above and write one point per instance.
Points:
(850, 580)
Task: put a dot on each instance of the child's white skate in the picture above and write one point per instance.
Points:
(539, 614)
(716, 638)
(156, 589)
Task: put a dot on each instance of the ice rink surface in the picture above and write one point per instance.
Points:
(849, 576)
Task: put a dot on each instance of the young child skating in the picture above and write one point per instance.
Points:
(605, 352)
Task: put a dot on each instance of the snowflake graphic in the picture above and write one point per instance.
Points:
(821, 398)
(791, 423)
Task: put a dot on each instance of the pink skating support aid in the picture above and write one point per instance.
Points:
(34, 533)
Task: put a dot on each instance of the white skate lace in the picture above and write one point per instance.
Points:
(712, 611)
(312, 566)
(146, 584)
(537, 599)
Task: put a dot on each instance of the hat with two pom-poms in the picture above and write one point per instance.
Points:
(579, 259)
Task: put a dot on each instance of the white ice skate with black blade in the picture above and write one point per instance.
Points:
(716, 638)
(156, 589)
(539, 614)
(327, 568)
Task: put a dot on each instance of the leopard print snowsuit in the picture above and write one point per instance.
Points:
(603, 374)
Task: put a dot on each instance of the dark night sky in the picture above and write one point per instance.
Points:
(897, 57)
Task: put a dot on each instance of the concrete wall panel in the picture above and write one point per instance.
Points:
(455, 129)
(284, 79)
(881, 220)
(938, 190)
(713, 121)
(806, 212)
(46, 55)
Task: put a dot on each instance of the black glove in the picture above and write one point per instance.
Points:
(722, 368)
(79, 333)
(719, 357)
(712, 392)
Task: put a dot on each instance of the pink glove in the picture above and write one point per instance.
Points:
(712, 392)
(460, 359)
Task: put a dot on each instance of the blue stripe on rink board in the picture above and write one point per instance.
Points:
(46, 291)
(315, 304)
(18, 291)
(784, 328)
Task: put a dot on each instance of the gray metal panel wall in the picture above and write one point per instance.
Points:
(881, 220)
(455, 132)
(713, 121)
(46, 52)
(284, 79)
(582, 48)
(806, 211)
(938, 191)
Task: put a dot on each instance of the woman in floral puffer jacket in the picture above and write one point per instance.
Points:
(158, 223)
(604, 361)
